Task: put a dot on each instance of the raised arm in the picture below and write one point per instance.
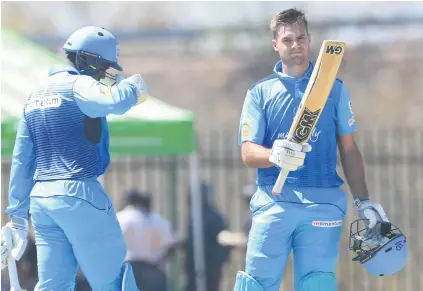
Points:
(98, 100)
(284, 154)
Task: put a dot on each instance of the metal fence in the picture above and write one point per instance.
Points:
(394, 171)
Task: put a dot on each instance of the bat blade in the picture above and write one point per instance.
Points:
(11, 263)
(314, 98)
(13, 275)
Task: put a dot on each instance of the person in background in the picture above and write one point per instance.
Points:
(214, 253)
(149, 240)
(239, 239)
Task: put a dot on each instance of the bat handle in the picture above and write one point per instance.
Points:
(277, 188)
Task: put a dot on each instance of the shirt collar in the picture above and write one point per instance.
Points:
(278, 70)
(62, 68)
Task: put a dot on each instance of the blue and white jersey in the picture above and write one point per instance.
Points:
(268, 113)
(63, 132)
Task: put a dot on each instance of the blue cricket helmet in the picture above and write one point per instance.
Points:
(382, 251)
(96, 49)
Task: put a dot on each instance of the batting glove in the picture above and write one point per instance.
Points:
(15, 240)
(373, 215)
(288, 155)
(139, 83)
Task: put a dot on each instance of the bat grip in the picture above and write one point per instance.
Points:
(277, 188)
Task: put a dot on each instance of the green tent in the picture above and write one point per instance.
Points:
(152, 128)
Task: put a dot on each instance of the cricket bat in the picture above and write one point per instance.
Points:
(314, 99)
(11, 264)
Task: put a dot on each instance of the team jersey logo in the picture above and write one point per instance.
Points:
(351, 121)
(245, 131)
(351, 110)
(335, 223)
(43, 103)
(313, 137)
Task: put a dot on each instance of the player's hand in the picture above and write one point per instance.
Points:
(14, 242)
(373, 216)
(373, 213)
(288, 155)
(139, 83)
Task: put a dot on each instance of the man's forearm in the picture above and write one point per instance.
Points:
(352, 163)
(256, 156)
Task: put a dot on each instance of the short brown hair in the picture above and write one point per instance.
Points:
(287, 17)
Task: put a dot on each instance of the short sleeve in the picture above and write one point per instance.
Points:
(252, 125)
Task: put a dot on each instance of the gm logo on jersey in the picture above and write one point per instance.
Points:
(43, 103)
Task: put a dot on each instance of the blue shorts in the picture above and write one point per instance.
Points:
(71, 231)
(311, 230)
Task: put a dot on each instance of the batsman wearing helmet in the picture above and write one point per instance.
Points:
(62, 147)
(308, 215)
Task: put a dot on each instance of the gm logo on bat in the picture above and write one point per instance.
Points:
(304, 127)
(334, 50)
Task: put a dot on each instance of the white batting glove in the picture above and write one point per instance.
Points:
(15, 240)
(288, 155)
(373, 214)
(141, 87)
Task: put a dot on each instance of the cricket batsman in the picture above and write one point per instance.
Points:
(62, 147)
(307, 216)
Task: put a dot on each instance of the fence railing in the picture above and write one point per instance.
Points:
(394, 172)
